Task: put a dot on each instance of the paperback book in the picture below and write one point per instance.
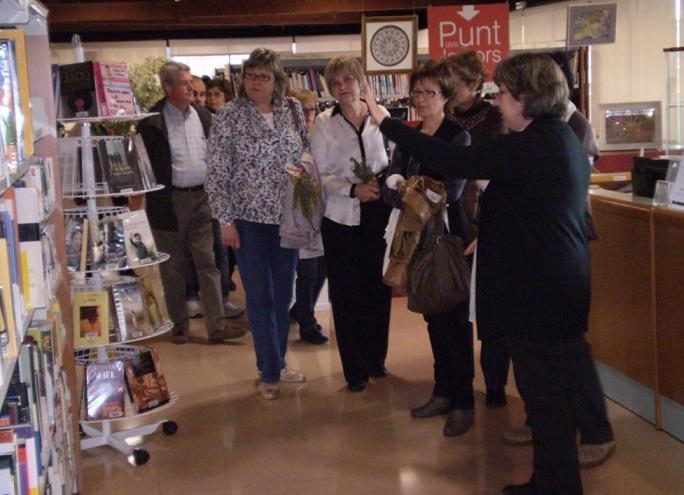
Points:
(131, 314)
(146, 382)
(77, 90)
(91, 318)
(153, 293)
(120, 174)
(104, 390)
(109, 252)
(73, 232)
(140, 246)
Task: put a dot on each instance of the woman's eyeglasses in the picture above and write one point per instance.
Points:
(263, 76)
(427, 94)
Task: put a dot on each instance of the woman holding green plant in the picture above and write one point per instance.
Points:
(351, 157)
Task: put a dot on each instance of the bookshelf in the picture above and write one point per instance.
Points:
(38, 380)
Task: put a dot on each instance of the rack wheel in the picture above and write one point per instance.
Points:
(140, 457)
(169, 427)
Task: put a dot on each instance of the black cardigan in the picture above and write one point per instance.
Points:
(533, 257)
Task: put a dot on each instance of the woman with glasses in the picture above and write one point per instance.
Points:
(431, 88)
(533, 255)
(354, 224)
(483, 121)
(251, 138)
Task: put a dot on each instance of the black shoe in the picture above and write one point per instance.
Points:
(380, 372)
(313, 336)
(525, 489)
(356, 386)
(496, 398)
(458, 422)
(434, 407)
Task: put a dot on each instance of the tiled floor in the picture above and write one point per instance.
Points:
(320, 439)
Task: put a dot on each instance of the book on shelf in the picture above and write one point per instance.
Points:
(104, 390)
(137, 157)
(91, 318)
(75, 237)
(153, 293)
(119, 174)
(114, 89)
(78, 98)
(85, 245)
(29, 217)
(146, 383)
(109, 251)
(131, 312)
(16, 131)
(140, 246)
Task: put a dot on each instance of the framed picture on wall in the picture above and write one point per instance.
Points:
(629, 126)
(389, 44)
(591, 24)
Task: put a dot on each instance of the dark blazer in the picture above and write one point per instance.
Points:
(533, 257)
(159, 204)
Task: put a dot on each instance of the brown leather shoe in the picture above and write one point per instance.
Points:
(592, 455)
(226, 334)
(458, 422)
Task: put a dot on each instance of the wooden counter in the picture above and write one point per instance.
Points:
(636, 324)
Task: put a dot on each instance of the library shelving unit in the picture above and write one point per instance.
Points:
(42, 361)
(81, 182)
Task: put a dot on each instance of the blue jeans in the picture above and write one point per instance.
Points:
(267, 273)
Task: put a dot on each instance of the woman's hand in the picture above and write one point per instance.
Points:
(373, 107)
(367, 191)
(230, 236)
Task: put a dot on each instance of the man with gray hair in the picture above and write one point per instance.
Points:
(179, 214)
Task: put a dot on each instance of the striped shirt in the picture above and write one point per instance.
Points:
(188, 146)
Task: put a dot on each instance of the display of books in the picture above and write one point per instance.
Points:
(91, 318)
(130, 310)
(146, 382)
(104, 390)
(140, 246)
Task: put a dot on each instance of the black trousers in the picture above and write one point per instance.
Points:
(494, 361)
(451, 338)
(360, 300)
(554, 379)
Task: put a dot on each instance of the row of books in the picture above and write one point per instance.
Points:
(128, 308)
(28, 253)
(93, 89)
(309, 79)
(120, 166)
(36, 439)
(389, 86)
(114, 242)
(105, 383)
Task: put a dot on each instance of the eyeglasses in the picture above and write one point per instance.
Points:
(427, 94)
(262, 76)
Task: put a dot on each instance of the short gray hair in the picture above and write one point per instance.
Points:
(169, 71)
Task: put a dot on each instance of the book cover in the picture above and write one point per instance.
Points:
(75, 236)
(153, 293)
(8, 338)
(120, 174)
(104, 390)
(110, 251)
(15, 96)
(91, 318)
(146, 382)
(115, 93)
(130, 309)
(77, 90)
(140, 246)
(138, 159)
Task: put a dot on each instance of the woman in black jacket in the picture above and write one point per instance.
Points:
(431, 87)
(533, 256)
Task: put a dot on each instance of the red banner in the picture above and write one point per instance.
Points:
(483, 28)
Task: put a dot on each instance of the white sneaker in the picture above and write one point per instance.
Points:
(291, 376)
(194, 308)
(231, 310)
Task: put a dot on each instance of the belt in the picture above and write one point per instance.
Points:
(189, 189)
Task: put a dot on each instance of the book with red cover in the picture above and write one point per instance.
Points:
(146, 382)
